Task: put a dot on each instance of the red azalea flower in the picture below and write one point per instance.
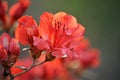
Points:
(89, 58)
(59, 30)
(9, 50)
(17, 10)
(86, 56)
(26, 30)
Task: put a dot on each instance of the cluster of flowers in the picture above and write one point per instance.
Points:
(58, 43)
(59, 35)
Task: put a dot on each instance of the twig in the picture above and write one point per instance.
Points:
(11, 76)
(29, 68)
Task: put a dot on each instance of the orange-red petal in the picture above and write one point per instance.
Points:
(3, 53)
(5, 40)
(41, 44)
(17, 10)
(14, 47)
(26, 29)
(19, 32)
(45, 28)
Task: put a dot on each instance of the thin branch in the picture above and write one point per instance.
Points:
(11, 76)
(29, 68)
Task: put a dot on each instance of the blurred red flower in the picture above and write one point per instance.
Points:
(9, 50)
(3, 9)
(86, 57)
(15, 12)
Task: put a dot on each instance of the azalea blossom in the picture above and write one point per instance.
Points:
(86, 57)
(9, 50)
(55, 33)
(25, 32)
(15, 12)
(59, 30)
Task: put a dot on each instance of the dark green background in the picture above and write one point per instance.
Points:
(101, 19)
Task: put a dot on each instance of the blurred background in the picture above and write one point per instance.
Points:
(101, 19)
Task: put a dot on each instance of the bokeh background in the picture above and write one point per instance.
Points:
(101, 19)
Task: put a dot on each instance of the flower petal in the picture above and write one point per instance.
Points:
(45, 28)
(19, 32)
(96, 55)
(18, 9)
(14, 47)
(3, 7)
(27, 27)
(5, 40)
(70, 23)
(64, 52)
(3, 53)
(40, 43)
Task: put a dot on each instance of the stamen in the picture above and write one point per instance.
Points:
(63, 29)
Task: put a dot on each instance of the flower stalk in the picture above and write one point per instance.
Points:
(29, 68)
